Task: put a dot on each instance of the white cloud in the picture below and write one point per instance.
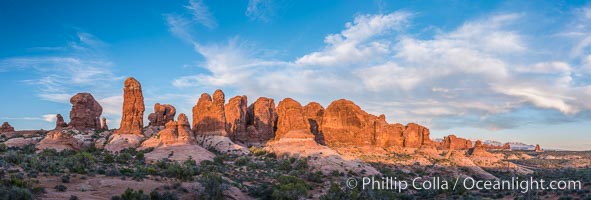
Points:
(481, 73)
(358, 42)
(260, 10)
(49, 117)
(201, 13)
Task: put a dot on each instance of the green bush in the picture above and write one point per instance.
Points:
(290, 187)
(213, 186)
(61, 188)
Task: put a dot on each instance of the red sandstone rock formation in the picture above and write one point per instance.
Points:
(104, 125)
(132, 120)
(455, 143)
(479, 150)
(59, 122)
(313, 113)
(345, 123)
(185, 135)
(6, 127)
(538, 149)
(290, 118)
(235, 113)
(163, 113)
(86, 112)
(261, 120)
(209, 116)
(507, 146)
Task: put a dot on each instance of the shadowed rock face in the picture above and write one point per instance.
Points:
(290, 118)
(132, 120)
(345, 123)
(209, 116)
(59, 122)
(6, 127)
(313, 113)
(235, 112)
(85, 113)
(261, 119)
(163, 113)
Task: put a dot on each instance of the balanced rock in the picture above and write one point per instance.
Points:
(235, 112)
(85, 113)
(59, 122)
(313, 113)
(163, 113)
(132, 120)
(261, 118)
(6, 127)
(290, 118)
(209, 116)
(455, 143)
(104, 125)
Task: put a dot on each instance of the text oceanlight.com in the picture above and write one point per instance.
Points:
(469, 183)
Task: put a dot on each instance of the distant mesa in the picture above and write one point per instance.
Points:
(85, 113)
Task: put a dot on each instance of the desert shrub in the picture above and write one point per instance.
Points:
(155, 195)
(66, 178)
(131, 194)
(213, 185)
(15, 193)
(257, 151)
(73, 197)
(241, 161)
(3, 147)
(290, 187)
(60, 188)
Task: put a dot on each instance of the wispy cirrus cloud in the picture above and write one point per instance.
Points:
(260, 10)
(201, 14)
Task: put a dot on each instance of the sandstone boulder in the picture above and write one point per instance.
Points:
(132, 120)
(59, 140)
(59, 122)
(6, 127)
(290, 118)
(163, 113)
(209, 116)
(174, 133)
(235, 112)
(313, 113)
(85, 113)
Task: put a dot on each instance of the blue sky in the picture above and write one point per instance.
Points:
(501, 70)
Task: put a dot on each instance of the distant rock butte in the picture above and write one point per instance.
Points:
(162, 114)
(59, 122)
(538, 149)
(455, 143)
(291, 118)
(208, 115)
(132, 120)
(479, 150)
(235, 112)
(104, 125)
(6, 127)
(85, 113)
